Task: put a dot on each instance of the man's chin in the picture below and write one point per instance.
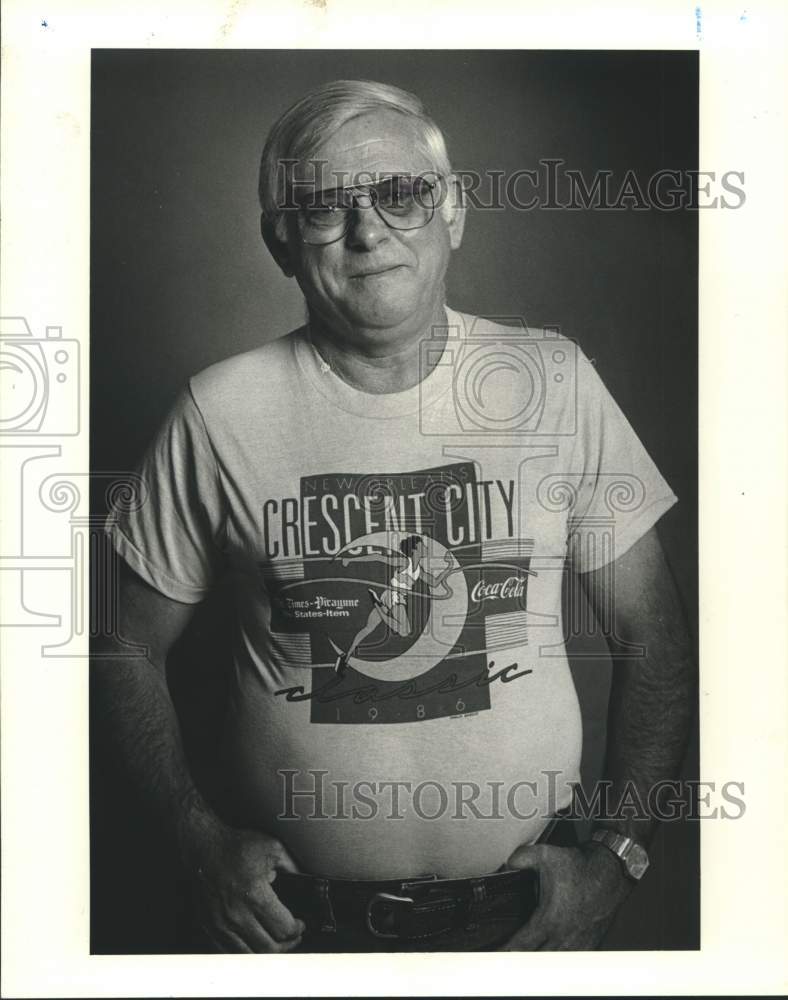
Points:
(381, 316)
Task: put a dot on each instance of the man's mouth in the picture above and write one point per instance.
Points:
(371, 272)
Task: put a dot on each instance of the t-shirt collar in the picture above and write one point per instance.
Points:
(380, 406)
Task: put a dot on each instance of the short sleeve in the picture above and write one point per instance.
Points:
(620, 493)
(174, 538)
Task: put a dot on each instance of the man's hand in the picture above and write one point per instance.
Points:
(231, 870)
(580, 890)
(231, 873)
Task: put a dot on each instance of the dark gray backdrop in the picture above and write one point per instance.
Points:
(180, 279)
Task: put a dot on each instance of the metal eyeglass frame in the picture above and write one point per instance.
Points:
(368, 191)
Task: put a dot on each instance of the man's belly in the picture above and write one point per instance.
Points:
(453, 796)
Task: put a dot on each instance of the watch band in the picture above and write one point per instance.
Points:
(632, 855)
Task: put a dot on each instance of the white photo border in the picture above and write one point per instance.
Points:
(45, 270)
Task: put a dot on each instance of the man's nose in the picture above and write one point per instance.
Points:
(366, 229)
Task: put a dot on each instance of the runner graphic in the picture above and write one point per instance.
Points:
(389, 607)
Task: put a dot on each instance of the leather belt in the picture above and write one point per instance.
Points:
(425, 909)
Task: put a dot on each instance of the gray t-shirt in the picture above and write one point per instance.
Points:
(397, 562)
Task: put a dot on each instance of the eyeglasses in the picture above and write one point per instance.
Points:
(401, 202)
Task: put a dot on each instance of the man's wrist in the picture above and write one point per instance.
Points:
(195, 826)
(607, 869)
(627, 852)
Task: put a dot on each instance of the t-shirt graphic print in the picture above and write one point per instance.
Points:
(400, 601)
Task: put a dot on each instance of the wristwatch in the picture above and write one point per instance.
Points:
(631, 854)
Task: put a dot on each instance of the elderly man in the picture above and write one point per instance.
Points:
(398, 492)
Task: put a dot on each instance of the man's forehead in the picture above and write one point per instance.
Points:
(365, 149)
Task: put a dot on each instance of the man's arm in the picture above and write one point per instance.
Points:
(652, 698)
(650, 711)
(232, 870)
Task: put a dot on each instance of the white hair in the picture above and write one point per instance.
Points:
(310, 121)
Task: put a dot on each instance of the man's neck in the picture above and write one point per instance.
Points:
(377, 362)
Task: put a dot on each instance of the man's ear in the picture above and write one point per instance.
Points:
(453, 210)
(278, 248)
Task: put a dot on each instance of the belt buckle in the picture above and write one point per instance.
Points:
(384, 897)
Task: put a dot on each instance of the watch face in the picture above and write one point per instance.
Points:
(637, 861)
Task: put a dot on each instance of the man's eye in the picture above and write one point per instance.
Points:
(322, 214)
(396, 196)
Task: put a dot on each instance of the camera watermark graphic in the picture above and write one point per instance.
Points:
(40, 381)
(507, 379)
(53, 548)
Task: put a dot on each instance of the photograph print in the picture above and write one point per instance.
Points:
(393, 408)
